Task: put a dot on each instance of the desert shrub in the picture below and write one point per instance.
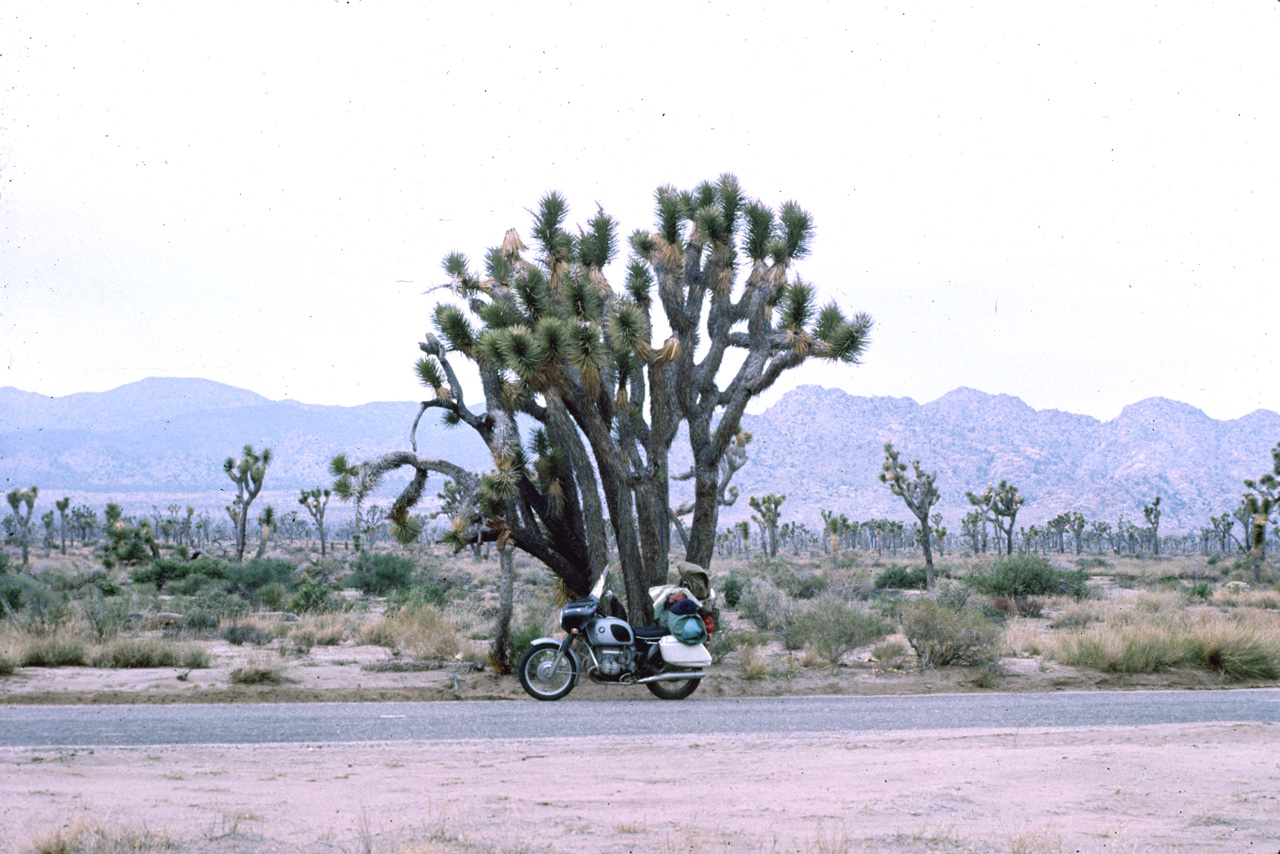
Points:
(1020, 576)
(41, 608)
(380, 573)
(799, 585)
(105, 617)
(764, 604)
(890, 653)
(1131, 649)
(897, 577)
(239, 634)
(7, 665)
(200, 620)
(1236, 653)
(221, 604)
(77, 839)
(428, 591)
(54, 650)
(256, 674)
(524, 633)
(247, 579)
(833, 628)
(1021, 607)
(423, 631)
(1091, 563)
(123, 653)
(314, 598)
(731, 589)
(173, 572)
(942, 635)
(323, 630)
(273, 596)
(1076, 615)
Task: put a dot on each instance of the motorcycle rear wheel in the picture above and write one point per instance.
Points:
(542, 677)
(676, 690)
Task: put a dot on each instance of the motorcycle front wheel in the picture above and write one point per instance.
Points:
(545, 674)
(675, 690)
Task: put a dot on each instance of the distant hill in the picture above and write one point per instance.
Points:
(165, 439)
(824, 449)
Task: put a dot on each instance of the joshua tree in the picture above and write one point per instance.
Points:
(62, 505)
(1260, 502)
(247, 474)
(999, 502)
(917, 492)
(734, 458)
(1152, 514)
(266, 527)
(555, 342)
(769, 510)
(316, 500)
(19, 498)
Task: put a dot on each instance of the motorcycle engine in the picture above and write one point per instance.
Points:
(613, 643)
(616, 661)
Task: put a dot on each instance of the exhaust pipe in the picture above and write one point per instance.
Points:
(678, 676)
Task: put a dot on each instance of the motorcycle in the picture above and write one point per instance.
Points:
(615, 653)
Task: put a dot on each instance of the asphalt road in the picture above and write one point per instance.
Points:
(91, 726)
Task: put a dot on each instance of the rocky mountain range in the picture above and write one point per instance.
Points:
(164, 440)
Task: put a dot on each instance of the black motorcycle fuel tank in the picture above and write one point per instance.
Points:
(576, 614)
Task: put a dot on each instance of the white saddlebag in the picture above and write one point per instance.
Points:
(680, 654)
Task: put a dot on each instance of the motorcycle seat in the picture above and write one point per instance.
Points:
(650, 633)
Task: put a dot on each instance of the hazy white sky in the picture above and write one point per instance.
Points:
(1076, 204)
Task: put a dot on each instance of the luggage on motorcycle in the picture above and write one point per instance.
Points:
(680, 654)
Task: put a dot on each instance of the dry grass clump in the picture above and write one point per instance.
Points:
(133, 652)
(1242, 597)
(422, 631)
(78, 839)
(59, 649)
(257, 672)
(1234, 648)
(320, 630)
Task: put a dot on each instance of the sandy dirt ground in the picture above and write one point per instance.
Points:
(1202, 788)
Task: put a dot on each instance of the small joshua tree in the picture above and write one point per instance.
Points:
(247, 474)
(1152, 513)
(999, 502)
(19, 498)
(316, 500)
(62, 505)
(266, 527)
(918, 493)
(1259, 503)
(770, 509)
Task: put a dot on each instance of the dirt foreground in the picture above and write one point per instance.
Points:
(1201, 788)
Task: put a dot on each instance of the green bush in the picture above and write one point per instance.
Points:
(256, 674)
(314, 598)
(378, 574)
(7, 665)
(901, 578)
(1020, 576)
(731, 590)
(833, 628)
(942, 635)
(174, 571)
(248, 579)
(273, 596)
(200, 620)
(799, 585)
